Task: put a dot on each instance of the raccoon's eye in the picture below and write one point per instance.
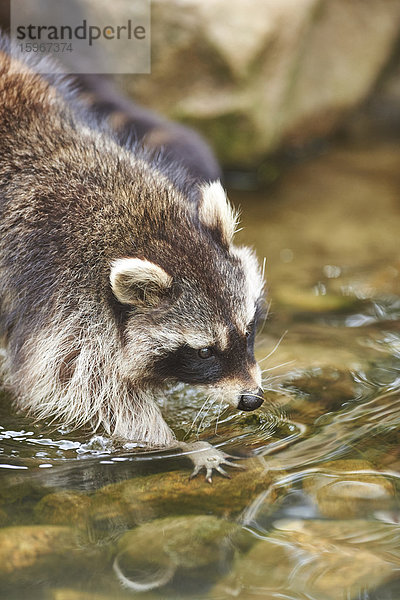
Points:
(205, 352)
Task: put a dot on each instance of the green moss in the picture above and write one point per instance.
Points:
(231, 135)
(144, 498)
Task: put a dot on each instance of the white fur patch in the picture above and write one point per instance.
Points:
(222, 336)
(96, 391)
(254, 282)
(126, 273)
(195, 339)
(255, 372)
(216, 211)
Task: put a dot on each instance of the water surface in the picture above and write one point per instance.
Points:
(316, 513)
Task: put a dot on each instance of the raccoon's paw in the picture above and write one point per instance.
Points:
(209, 458)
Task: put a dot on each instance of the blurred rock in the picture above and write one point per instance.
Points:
(194, 546)
(27, 553)
(119, 506)
(113, 593)
(318, 559)
(311, 301)
(316, 392)
(329, 385)
(18, 499)
(256, 76)
(379, 116)
(70, 594)
(62, 508)
(350, 494)
(3, 518)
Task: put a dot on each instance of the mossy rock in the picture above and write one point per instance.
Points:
(61, 508)
(331, 560)
(195, 548)
(344, 490)
(144, 498)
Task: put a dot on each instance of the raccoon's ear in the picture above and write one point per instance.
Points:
(138, 282)
(216, 212)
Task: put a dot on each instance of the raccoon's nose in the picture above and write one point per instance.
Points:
(250, 400)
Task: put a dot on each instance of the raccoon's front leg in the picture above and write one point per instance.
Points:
(204, 455)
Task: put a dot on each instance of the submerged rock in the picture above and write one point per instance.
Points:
(45, 555)
(342, 490)
(62, 508)
(123, 504)
(321, 559)
(36, 551)
(3, 518)
(149, 556)
(18, 500)
(316, 392)
(72, 594)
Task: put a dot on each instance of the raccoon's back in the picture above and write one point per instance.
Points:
(71, 201)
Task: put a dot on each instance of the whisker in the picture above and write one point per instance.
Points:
(279, 377)
(288, 362)
(199, 413)
(218, 415)
(205, 415)
(274, 411)
(263, 267)
(257, 396)
(268, 308)
(279, 391)
(275, 347)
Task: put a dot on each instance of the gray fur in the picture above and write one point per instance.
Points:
(73, 201)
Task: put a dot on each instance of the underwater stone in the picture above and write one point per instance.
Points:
(61, 508)
(49, 554)
(144, 498)
(164, 546)
(320, 559)
(28, 551)
(341, 492)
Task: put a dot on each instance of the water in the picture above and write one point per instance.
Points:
(316, 513)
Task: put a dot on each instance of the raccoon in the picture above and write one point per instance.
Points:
(118, 272)
(133, 123)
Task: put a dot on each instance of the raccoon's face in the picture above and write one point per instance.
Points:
(195, 320)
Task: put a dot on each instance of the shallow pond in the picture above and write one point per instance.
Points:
(316, 513)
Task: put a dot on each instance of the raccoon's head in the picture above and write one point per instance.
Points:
(195, 302)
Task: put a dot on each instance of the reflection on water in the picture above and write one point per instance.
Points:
(315, 515)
